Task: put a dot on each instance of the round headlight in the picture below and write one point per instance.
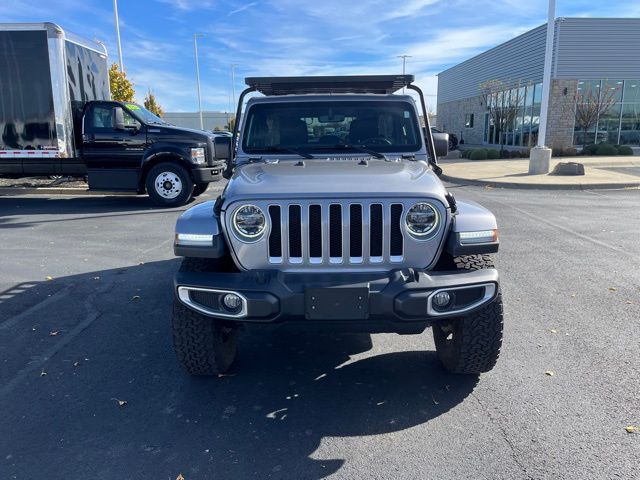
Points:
(249, 221)
(422, 219)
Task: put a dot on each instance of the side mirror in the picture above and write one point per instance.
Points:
(118, 118)
(222, 147)
(440, 143)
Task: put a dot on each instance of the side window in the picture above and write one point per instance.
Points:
(102, 117)
(129, 121)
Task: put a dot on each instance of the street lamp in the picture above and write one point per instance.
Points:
(233, 84)
(195, 49)
(404, 64)
(540, 154)
(117, 22)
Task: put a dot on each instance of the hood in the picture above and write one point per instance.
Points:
(181, 131)
(335, 178)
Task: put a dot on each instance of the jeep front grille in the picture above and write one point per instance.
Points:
(333, 233)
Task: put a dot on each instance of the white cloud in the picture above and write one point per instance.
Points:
(242, 8)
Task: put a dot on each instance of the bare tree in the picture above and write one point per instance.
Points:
(503, 104)
(590, 104)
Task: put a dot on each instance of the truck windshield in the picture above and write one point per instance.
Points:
(378, 125)
(145, 115)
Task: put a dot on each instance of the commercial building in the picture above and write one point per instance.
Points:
(210, 120)
(594, 55)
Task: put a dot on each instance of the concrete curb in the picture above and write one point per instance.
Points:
(56, 191)
(540, 186)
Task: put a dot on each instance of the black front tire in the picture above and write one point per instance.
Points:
(199, 189)
(470, 344)
(204, 346)
(169, 184)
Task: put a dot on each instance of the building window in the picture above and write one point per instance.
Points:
(620, 121)
(468, 120)
(523, 131)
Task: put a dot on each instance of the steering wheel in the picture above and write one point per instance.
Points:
(377, 141)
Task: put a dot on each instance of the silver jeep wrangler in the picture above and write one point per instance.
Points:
(334, 217)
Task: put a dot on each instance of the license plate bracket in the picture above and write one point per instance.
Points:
(337, 303)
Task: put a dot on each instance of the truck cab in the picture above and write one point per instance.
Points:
(334, 217)
(126, 147)
(57, 118)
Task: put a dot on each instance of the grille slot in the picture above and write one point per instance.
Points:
(315, 233)
(395, 235)
(275, 238)
(335, 231)
(295, 232)
(375, 234)
(355, 232)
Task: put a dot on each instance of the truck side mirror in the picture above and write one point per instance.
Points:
(118, 118)
(440, 143)
(222, 147)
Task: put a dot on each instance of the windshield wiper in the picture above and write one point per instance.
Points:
(359, 148)
(278, 148)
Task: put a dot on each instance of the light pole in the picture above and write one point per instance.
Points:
(233, 85)
(404, 64)
(117, 22)
(540, 154)
(195, 48)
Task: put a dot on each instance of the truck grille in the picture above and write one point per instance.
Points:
(335, 233)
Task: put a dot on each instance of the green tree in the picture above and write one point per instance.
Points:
(152, 105)
(121, 87)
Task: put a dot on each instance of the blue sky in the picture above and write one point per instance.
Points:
(294, 37)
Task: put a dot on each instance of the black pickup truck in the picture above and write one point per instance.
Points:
(56, 118)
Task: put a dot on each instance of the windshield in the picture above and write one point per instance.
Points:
(382, 126)
(145, 115)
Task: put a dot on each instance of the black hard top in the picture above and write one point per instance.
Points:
(380, 84)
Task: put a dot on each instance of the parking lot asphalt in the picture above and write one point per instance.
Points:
(90, 388)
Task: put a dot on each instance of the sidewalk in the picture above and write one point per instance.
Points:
(600, 172)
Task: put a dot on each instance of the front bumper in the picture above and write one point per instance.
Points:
(208, 174)
(397, 301)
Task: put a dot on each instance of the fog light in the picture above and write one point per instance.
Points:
(232, 301)
(441, 299)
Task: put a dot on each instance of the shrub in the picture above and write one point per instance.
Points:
(569, 152)
(624, 150)
(493, 154)
(590, 149)
(525, 153)
(465, 153)
(478, 154)
(504, 154)
(606, 150)
(514, 154)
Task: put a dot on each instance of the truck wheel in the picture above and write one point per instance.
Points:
(203, 345)
(471, 344)
(169, 184)
(200, 188)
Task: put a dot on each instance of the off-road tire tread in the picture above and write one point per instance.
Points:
(481, 340)
(473, 262)
(198, 339)
(481, 331)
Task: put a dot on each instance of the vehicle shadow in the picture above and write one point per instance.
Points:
(267, 418)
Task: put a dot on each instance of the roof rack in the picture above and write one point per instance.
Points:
(380, 84)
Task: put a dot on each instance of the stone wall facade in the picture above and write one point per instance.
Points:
(560, 122)
(451, 118)
(561, 119)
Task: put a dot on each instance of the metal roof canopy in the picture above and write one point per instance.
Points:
(380, 84)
